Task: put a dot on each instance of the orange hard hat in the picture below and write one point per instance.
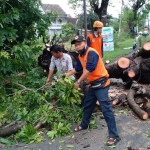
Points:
(97, 24)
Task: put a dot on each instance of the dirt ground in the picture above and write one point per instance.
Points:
(134, 132)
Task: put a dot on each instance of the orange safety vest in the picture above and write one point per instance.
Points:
(96, 43)
(100, 70)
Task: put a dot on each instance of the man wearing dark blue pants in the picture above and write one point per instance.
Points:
(94, 71)
(89, 104)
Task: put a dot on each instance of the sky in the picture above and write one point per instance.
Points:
(113, 10)
(62, 3)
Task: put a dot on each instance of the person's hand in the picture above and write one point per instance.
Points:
(76, 85)
(67, 74)
(48, 82)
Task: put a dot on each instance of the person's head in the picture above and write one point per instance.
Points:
(56, 51)
(80, 43)
(97, 26)
(145, 30)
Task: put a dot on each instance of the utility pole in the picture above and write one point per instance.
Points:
(85, 19)
(120, 18)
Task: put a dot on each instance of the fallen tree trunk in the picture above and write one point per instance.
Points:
(138, 111)
(145, 51)
(9, 130)
(128, 70)
(114, 70)
(145, 71)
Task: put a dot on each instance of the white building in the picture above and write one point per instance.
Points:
(56, 26)
(63, 18)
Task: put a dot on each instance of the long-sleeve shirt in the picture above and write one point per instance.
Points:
(91, 64)
(96, 43)
(142, 40)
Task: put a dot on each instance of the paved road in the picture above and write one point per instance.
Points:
(134, 133)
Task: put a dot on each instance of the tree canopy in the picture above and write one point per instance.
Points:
(99, 7)
(22, 20)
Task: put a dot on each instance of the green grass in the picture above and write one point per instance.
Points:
(119, 50)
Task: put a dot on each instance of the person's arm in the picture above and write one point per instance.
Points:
(69, 73)
(91, 64)
(84, 75)
(69, 64)
(88, 42)
(51, 70)
(77, 69)
(49, 76)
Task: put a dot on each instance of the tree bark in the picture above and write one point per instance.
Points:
(128, 69)
(121, 99)
(100, 11)
(145, 51)
(138, 111)
(9, 130)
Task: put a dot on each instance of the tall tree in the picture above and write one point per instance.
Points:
(21, 20)
(135, 13)
(91, 17)
(99, 7)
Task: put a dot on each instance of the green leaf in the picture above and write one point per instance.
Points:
(1, 25)
(51, 134)
(62, 141)
(70, 146)
(60, 148)
(112, 146)
(4, 141)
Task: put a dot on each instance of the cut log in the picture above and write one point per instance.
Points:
(120, 99)
(123, 62)
(114, 70)
(9, 130)
(131, 73)
(138, 70)
(138, 111)
(145, 50)
(146, 46)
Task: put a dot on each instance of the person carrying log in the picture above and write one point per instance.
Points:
(95, 72)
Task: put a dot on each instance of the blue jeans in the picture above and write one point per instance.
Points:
(89, 104)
